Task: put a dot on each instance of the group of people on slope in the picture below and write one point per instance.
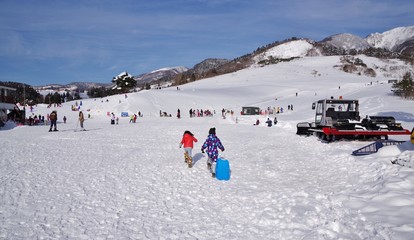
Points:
(268, 122)
(212, 144)
(53, 120)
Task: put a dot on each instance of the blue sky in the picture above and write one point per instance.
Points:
(59, 41)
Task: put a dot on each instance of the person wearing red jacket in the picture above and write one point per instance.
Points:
(188, 141)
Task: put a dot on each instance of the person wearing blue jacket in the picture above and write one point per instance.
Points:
(212, 144)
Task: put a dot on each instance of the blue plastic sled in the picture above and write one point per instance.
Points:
(222, 169)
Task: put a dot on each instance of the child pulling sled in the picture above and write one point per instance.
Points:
(212, 144)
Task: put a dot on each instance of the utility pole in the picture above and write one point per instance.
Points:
(24, 104)
(24, 97)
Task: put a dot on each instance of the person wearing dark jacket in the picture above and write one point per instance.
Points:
(53, 120)
(212, 144)
(269, 122)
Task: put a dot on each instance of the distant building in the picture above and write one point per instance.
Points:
(392, 81)
(6, 100)
(250, 111)
(8, 108)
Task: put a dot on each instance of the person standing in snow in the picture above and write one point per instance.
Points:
(178, 113)
(81, 119)
(188, 141)
(53, 120)
(112, 118)
(212, 144)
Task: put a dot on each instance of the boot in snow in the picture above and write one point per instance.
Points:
(188, 160)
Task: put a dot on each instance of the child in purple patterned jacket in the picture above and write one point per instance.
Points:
(212, 144)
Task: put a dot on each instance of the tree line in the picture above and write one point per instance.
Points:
(26, 94)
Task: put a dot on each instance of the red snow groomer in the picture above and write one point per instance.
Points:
(339, 119)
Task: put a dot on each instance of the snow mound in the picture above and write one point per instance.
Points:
(395, 150)
(406, 155)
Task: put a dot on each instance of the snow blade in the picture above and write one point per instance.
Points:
(373, 147)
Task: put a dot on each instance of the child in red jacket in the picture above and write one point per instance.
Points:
(188, 142)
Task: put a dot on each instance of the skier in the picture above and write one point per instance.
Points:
(212, 144)
(275, 121)
(188, 141)
(53, 120)
(178, 114)
(81, 120)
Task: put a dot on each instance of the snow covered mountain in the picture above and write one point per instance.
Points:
(75, 86)
(160, 73)
(347, 41)
(406, 47)
(398, 40)
(391, 39)
(159, 78)
(207, 65)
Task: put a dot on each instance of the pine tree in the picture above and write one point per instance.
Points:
(124, 82)
(405, 87)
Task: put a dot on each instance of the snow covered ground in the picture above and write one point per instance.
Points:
(129, 181)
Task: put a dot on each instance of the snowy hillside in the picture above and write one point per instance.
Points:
(298, 48)
(392, 38)
(129, 180)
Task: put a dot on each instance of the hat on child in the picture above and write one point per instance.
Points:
(212, 131)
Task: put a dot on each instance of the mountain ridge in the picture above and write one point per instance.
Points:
(395, 42)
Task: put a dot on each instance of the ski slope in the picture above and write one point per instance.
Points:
(129, 181)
